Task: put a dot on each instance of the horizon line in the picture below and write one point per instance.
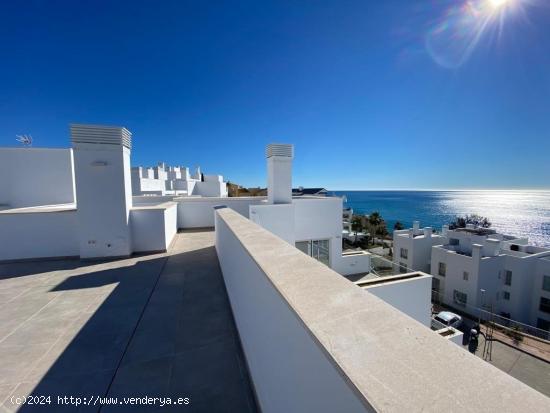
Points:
(445, 189)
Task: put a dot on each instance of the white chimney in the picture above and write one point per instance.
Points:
(279, 173)
(416, 226)
(103, 189)
(428, 232)
(476, 252)
(444, 230)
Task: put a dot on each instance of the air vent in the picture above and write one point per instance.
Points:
(101, 135)
(279, 149)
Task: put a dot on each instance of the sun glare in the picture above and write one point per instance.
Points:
(498, 3)
(461, 28)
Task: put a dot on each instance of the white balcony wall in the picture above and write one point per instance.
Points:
(36, 176)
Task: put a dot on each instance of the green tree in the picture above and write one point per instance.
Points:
(477, 220)
(398, 226)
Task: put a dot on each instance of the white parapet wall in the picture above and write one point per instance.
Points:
(199, 212)
(31, 233)
(316, 342)
(36, 176)
(409, 293)
(290, 371)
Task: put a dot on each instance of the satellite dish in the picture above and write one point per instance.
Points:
(25, 140)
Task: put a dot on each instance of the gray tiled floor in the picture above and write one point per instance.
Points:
(157, 326)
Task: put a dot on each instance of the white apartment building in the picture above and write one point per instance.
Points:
(176, 180)
(412, 248)
(479, 268)
(476, 268)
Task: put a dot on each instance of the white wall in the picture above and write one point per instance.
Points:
(276, 218)
(38, 235)
(199, 212)
(411, 296)
(289, 371)
(353, 264)
(104, 197)
(170, 224)
(210, 188)
(36, 176)
(153, 229)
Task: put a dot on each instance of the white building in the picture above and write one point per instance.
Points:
(312, 223)
(412, 248)
(176, 180)
(81, 203)
(477, 268)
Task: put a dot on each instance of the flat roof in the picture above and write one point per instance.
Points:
(40, 209)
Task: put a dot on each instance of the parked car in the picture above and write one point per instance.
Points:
(449, 319)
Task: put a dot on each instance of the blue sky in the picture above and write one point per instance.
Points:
(392, 94)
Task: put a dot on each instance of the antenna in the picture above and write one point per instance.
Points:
(25, 140)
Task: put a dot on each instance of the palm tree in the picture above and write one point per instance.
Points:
(356, 225)
(374, 221)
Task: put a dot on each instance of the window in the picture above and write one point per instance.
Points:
(402, 268)
(442, 269)
(546, 282)
(460, 297)
(465, 275)
(436, 284)
(506, 295)
(544, 305)
(454, 241)
(508, 278)
(404, 253)
(543, 324)
(318, 249)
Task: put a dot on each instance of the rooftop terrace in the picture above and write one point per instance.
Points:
(157, 325)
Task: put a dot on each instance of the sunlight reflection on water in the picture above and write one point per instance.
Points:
(520, 213)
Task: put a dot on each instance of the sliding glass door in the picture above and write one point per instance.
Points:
(318, 249)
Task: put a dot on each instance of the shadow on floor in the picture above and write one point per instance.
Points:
(165, 330)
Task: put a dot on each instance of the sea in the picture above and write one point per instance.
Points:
(513, 212)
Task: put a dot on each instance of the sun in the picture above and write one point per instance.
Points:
(498, 3)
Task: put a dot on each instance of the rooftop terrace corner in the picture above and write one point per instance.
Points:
(306, 331)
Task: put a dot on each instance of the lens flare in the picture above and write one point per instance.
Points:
(498, 3)
(453, 37)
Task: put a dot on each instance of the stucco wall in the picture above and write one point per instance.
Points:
(153, 228)
(289, 371)
(38, 235)
(199, 212)
(104, 194)
(276, 218)
(411, 296)
(36, 176)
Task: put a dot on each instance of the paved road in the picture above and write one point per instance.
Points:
(524, 367)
